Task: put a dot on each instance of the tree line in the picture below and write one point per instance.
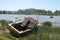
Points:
(32, 11)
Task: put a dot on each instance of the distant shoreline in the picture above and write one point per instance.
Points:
(29, 14)
(32, 11)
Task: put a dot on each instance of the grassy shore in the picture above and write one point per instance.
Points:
(42, 33)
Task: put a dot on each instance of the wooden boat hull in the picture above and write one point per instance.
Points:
(16, 32)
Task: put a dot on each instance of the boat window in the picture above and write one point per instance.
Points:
(28, 23)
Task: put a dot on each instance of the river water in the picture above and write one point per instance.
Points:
(41, 18)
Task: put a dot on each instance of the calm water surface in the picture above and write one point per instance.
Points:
(55, 20)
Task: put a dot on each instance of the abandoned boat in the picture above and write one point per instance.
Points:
(21, 27)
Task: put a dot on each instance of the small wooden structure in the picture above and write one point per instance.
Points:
(26, 25)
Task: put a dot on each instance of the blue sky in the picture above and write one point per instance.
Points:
(14, 5)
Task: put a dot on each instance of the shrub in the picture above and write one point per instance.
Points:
(47, 23)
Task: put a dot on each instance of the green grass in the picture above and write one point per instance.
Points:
(5, 36)
(42, 34)
(33, 35)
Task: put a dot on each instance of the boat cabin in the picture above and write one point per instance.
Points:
(29, 22)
